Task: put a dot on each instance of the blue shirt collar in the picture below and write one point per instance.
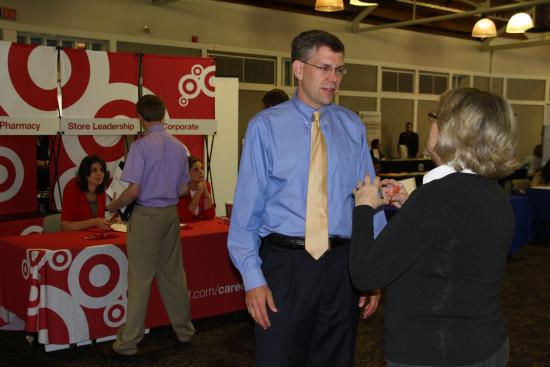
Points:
(307, 111)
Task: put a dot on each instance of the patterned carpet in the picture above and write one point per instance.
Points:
(228, 340)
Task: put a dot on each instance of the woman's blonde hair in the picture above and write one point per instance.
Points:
(477, 131)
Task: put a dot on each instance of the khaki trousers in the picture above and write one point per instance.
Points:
(154, 251)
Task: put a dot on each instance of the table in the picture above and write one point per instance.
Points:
(523, 230)
(539, 201)
(21, 226)
(406, 165)
(72, 290)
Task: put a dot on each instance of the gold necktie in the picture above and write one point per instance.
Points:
(317, 201)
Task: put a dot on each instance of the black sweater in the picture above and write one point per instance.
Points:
(442, 258)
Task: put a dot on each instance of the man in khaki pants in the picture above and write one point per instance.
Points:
(158, 173)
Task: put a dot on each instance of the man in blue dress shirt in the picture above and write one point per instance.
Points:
(306, 310)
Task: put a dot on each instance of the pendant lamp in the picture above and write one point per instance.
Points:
(361, 3)
(329, 5)
(484, 28)
(519, 23)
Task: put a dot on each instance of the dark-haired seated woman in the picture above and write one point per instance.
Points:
(84, 197)
(197, 204)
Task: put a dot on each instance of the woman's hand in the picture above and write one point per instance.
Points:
(366, 193)
(115, 219)
(101, 223)
(201, 188)
(394, 193)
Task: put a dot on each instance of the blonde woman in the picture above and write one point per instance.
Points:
(442, 256)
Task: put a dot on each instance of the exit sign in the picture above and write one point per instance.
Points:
(8, 13)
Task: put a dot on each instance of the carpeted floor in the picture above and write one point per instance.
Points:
(228, 340)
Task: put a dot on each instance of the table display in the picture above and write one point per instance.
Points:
(539, 201)
(21, 226)
(406, 165)
(70, 287)
(523, 222)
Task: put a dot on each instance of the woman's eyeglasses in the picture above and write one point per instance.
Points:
(327, 69)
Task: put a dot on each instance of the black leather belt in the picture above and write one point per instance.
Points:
(298, 243)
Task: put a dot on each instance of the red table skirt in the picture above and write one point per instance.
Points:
(70, 290)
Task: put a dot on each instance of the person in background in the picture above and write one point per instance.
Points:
(274, 97)
(536, 159)
(410, 139)
(305, 308)
(43, 162)
(43, 172)
(443, 255)
(375, 151)
(197, 203)
(157, 172)
(542, 177)
(84, 197)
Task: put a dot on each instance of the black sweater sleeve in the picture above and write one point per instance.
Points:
(418, 226)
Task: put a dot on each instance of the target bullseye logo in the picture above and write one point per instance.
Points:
(98, 276)
(200, 80)
(12, 174)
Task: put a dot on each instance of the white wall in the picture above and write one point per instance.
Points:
(225, 154)
(239, 26)
(245, 29)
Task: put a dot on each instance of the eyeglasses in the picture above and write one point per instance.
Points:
(327, 69)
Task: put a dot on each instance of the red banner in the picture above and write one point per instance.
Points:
(106, 87)
(94, 85)
(186, 87)
(17, 174)
(21, 227)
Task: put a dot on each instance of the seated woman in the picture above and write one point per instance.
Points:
(84, 197)
(375, 151)
(542, 177)
(442, 256)
(197, 203)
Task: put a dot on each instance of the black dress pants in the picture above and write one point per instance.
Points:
(316, 322)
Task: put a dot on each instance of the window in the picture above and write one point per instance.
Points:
(359, 77)
(482, 82)
(21, 38)
(147, 48)
(52, 42)
(248, 68)
(460, 81)
(36, 40)
(432, 83)
(526, 89)
(397, 80)
(65, 42)
(288, 75)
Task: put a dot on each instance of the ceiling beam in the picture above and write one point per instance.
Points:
(356, 23)
(162, 2)
(446, 17)
(522, 44)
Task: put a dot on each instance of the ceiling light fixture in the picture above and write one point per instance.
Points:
(329, 5)
(484, 28)
(361, 3)
(519, 23)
